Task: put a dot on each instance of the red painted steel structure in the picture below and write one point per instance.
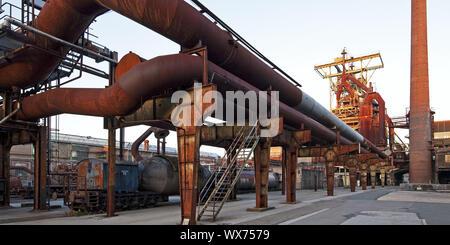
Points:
(420, 114)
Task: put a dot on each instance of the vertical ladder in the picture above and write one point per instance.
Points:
(221, 183)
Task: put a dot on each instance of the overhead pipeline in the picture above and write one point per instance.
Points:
(174, 19)
(143, 81)
(65, 19)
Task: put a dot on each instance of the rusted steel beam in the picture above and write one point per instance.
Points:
(372, 162)
(216, 135)
(298, 138)
(284, 159)
(188, 164)
(262, 159)
(121, 143)
(43, 141)
(320, 151)
(365, 157)
(37, 163)
(110, 196)
(373, 175)
(383, 176)
(352, 165)
(330, 157)
(5, 150)
(65, 19)
(189, 141)
(40, 170)
(363, 171)
(291, 173)
(420, 113)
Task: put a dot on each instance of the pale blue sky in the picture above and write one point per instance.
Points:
(296, 35)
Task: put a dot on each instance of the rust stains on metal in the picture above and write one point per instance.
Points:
(291, 173)
(351, 164)
(127, 62)
(111, 191)
(188, 164)
(420, 114)
(363, 172)
(135, 147)
(262, 159)
(65, 19)
(183, 24)
(330, 158)
(159, 74)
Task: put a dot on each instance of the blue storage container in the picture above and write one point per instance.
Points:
(93, 175)
(127, 177)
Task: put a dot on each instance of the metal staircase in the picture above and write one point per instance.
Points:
(222, 182)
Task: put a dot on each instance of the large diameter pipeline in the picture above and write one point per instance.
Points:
(316, 111)
(183, 24)
(160, 174)
(143, 81)
(65, 19)
(174, 19)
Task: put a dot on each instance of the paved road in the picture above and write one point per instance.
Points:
(388, 206)
(366, 209)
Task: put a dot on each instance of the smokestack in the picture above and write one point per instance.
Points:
(420, 114)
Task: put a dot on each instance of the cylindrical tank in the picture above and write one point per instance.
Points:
(246, 181)
(160, 174)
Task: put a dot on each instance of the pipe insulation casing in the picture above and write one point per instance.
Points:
(316, 111)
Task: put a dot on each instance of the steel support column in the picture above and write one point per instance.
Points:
(40, 170)
(330, 158)
(262, 159)
(121, 143)
(373, 176)
(5, 149)
(291, 173)
(111, 192)
(188, 165)
(284, 160)
(351, 165)
(383, 176)
(363, 170)
(110, 204)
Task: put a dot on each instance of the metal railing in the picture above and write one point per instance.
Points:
(222, 182)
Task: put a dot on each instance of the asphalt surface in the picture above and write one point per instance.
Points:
(387, 206)
(363, 209)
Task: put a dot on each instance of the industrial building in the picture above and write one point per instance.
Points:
(297, 144)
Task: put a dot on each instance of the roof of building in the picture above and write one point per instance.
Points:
(92, 141)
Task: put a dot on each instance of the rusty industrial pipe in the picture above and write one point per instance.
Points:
(420, 114)
(178, 21)
(135, 147)
(65, 19)
(174, 19)
(143, 81)
(185, 25)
